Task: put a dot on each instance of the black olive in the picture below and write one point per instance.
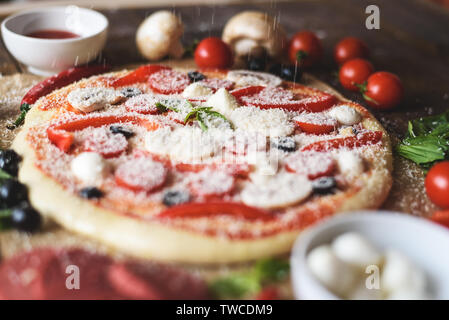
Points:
(324, 185)
(12, 192)
(130, 92)
(25, 218)
(256, 64)
(287, 144)
(196, 76)
(91, 193)
(121, 130)
(174, 197)
(9, 161)
(287, 72)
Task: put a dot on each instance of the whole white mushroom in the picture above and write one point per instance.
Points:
(159, 35)
(253, 33)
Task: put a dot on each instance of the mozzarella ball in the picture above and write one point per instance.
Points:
(356, 250)
(223, 102)
(409, 294)
(399, 273)
(333, 273)
(345, 115)
(88, 167)
(361, 292)
(196, 90)
(350, 163)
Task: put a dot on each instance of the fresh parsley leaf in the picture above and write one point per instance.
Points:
(426, 125)
(201, 122)
(24, 108)
(200, 114)
(272, 269)
(165, 105)
(5, 215)
(427, 140)
(161, 107)
(426, 151)
(5, 175)
(235, 286)
(240, 284)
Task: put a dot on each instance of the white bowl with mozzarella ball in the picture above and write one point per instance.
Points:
(424, 243)
(49, 56)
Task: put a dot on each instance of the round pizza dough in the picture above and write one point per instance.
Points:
(153, 240)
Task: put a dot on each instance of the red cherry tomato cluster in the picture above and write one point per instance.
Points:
(381, 90)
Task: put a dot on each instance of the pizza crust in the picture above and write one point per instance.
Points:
(152, 240)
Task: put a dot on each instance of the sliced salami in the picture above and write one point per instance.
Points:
(104, 142)
(269, 96)
(209, 184)
(21, 277)
(73, 274)
(137, 280)
(78, 274)
(215, 84)
(311, 164)
(141, 174)
(168, 81)
(143, 104)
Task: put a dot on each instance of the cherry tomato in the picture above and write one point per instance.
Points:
(441, 217)
(437, 184)
(353, 72)
(350, 48)
(210, 209)
(305, 42)
(213, 53)
(383, 90)
(316, 128)
(364, 139)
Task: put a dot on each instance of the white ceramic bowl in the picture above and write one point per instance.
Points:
(49, 56)
(424, 242)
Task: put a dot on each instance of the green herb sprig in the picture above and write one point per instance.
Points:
(241, 284)
(427, 140)
(198, 114)
(24, 108)
(5, 213)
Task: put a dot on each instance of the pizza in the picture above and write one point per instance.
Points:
(199, 166)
